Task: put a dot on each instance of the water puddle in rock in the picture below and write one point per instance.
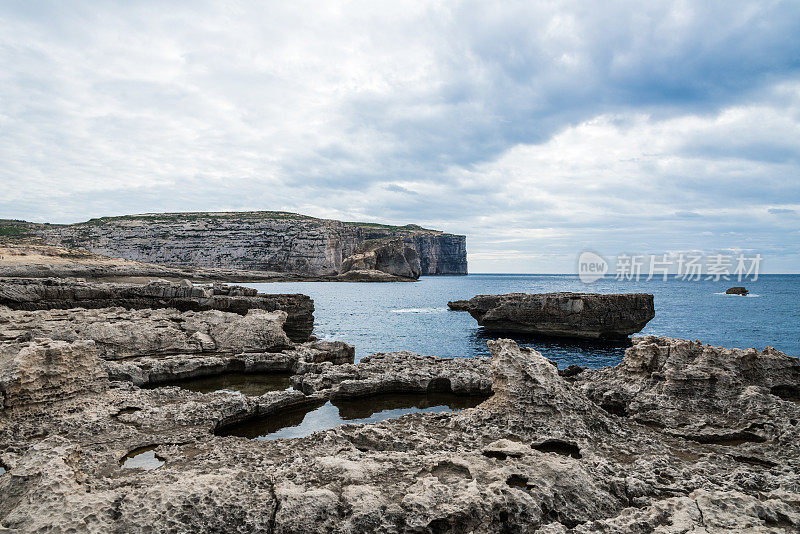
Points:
(142, 458)
(2, 470)
(303, 422)
(252, 385)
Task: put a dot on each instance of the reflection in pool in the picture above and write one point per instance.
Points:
(250, 384)
(305, 421)
(142, 458)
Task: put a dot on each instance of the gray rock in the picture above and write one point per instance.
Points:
(399, 372)
(458, 305)
(120, 334)
(251, 241)
(57, 293)
(389, 256)
(47, 371)
(578, 315)
(539, 456)
(700, 391)
(152, 370)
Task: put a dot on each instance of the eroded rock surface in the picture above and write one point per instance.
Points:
(251, 241)
(399, 372)
(541, 455)
(577, 315)
(149, 371)
(389, 256)
(44, 371)
(698, 390)
(60, 293)
(120, 333)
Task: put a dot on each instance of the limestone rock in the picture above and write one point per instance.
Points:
(399, 372)
(46, 371)
(578, 315)
(150, 370)
(390, 256)
(250, 241)
(702, 390)
(540, 455)
(57, 293)
(120, 333)
(458, 305)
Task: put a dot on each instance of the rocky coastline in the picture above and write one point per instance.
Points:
(273, 242)
(27, 260)
(680, 436)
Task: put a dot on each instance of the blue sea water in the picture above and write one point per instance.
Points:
(382, 317)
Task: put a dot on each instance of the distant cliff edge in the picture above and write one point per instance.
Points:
(255, 241)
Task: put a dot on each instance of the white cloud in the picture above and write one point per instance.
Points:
(535, 128)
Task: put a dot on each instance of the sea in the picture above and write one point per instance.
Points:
(384, 317)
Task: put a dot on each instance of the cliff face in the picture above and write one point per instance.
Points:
(257, 241)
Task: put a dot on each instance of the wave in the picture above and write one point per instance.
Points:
(418, 310)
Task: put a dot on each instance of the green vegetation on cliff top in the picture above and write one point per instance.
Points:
(243, 215)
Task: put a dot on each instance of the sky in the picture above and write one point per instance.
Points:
(538, 129)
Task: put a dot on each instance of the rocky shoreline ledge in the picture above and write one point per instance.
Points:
(680, 436)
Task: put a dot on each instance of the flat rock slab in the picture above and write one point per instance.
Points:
(120, 333)
(573, 315)
(65, 293)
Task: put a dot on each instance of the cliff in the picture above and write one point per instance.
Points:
(253, 241)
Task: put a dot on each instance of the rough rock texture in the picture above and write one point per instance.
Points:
(399, 372)
(458, 305)
(25, 259)
(253, 241)
(539, 456)
(48, 371)
(702, 390)
(580, 315)
(389, 256)
(737, 291)
(121, 333)
(59, 293)
(153, 370)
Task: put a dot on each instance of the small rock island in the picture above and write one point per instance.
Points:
(571, 315)
(737, 291)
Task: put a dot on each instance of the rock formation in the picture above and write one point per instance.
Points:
(577, 315)
(389, 256)
(120, 334)
(399, 372)
(46, 294)
(541, 455)
(737, 291)
(46, 371)
(250, 241)
(702, 390)
(23, 259)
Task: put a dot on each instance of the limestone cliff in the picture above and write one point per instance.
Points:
(256, 241)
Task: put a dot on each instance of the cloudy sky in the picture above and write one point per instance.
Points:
(539, 129)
